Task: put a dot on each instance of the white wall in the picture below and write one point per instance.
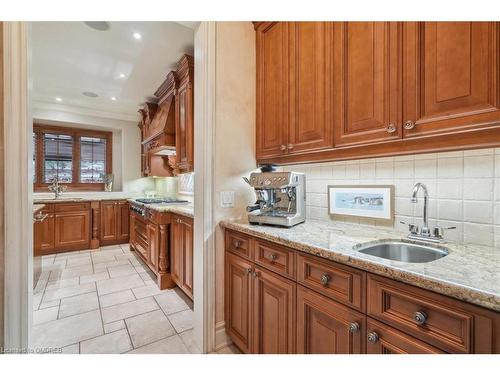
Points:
(464, 190)
(234, 131)
(126, 143)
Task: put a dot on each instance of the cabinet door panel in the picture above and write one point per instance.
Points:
(187, 259)
(367, 78)
(311, 122)
(272, 89)
(391, 341)
(323, 325)
(184, 129)
(154, 245)
(123, 222)
(238, 296)
(108, 221)
(43, 235)
(72, 230)
(274, 313)
(451, 75)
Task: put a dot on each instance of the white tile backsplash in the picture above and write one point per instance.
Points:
(464, 190)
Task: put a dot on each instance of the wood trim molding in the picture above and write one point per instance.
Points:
(204, 193)
(76, 132)
(19, 207)
(2, 167)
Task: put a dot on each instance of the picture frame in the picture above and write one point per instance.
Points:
(363, 201)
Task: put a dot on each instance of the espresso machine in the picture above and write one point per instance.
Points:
(281, 198)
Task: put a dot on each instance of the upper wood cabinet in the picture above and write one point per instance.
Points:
(272, 89)
(351, 90)
(367, 75)
(452, 72)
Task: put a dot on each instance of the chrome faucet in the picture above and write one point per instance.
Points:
(424, 233)
(56, 188)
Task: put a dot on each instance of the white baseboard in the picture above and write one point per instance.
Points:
(221, 338)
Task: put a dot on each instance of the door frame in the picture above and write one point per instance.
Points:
(18, 126)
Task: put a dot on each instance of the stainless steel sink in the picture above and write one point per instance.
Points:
(404, 251)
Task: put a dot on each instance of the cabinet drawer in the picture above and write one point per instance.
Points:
(239, 244)
(382, 339)
(275, 258)
(339, 282)
(435, 319)
(76, 206)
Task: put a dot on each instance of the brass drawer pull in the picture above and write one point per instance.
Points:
(248, 271)
(420, 317)
(236, 244)
(372, 337)
(409, 125)
(325, 279)
(353, 327)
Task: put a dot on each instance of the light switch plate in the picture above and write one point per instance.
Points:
(227, 199)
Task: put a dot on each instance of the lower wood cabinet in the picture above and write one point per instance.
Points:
(114, 228)
(44, 232)
(382, 339)
(260, 308)
(327, 327)
(279, 300)
(181, 253)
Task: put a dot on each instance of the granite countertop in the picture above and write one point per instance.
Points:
(80, 197)
(180, 209)
(470, 273)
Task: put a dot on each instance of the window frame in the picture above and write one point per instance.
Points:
(76, 133)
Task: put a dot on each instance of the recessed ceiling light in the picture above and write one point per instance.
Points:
(98, 25)
(58, 99)
(90, 94)
(113, 98)
(122, 75)
(137, 36)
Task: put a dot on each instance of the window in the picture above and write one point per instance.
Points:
(78, 158)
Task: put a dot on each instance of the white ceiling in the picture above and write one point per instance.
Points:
(70, 58)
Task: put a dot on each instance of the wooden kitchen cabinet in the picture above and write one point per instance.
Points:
(350, 90)
(72, 230)
(294, 91)
(367, 73)
(181, 253)
(382, 339)
(327, 327)
(114, 222)
(184, 116)
(44, 232)
(238, 301)
(273, 301)
(153, 231)
(452, 76)
(350, 311)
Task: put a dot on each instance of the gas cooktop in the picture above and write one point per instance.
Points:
(161, 200)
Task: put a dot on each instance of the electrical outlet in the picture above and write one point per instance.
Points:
(227, 199)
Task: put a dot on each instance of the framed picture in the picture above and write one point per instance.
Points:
(371, 201)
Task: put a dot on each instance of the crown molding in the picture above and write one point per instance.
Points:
(77, 110)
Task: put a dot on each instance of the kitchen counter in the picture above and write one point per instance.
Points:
(81, 196)
(180, 209)
(469, 273)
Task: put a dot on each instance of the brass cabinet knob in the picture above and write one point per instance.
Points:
(353, 327)
(248, 271)
(419, 317)
(283, 148)
(290, 146)
(236, 244)
(391, 128)
(325, 279)
(372, 337)
(409, 125)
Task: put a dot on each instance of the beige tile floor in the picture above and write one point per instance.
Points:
(106, 301)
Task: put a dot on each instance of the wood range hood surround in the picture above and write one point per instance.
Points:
(167, 124)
